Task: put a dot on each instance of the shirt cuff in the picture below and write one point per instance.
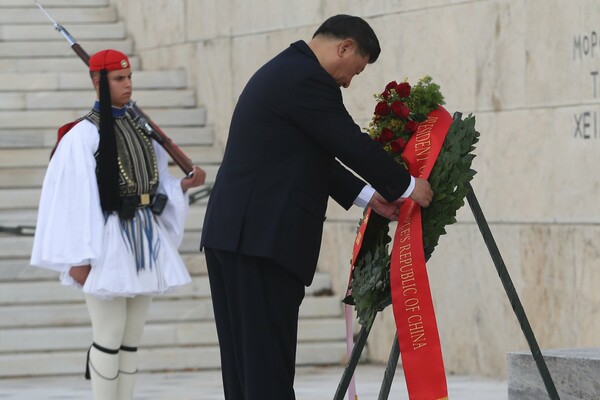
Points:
(410, 188)
(364, 197)
(367, 192)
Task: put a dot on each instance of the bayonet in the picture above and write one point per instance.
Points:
(72, 42)
(139, 117)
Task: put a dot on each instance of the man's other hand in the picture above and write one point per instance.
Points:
(384, 208)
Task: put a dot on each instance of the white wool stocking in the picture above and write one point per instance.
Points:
(127, 371)
(137, 310)
(104, 371)
(116, 322)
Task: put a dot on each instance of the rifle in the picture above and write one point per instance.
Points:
(137, 115)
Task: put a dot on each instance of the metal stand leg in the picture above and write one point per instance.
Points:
(354, 358)
(390, 371)
(511, 292)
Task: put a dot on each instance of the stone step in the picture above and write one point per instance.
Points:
(36, 119)
(21, 178)
(40, 49)
(46, 100)
(58, 81)
(188, 333)
(48, 4)
(13, 178)
(38, 157)
(18, 269)
(19, 247)
(162, 311)
(19, 206)
(46, 32)
(47, 292)
(22, 199)
(12, 246)
(67, 15)
(52, 64)
(46, 137)
(155, 335)
(20, 216)
(165, 118)
(191, 241)
(156, 359)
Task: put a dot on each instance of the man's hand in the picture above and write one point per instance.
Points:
(384, 208)
(80, 273)
(194, 179)
(422, 194)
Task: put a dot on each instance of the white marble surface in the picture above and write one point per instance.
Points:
(311, 384)
(575, 373)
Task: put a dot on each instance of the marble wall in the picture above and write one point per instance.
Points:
(528, 70)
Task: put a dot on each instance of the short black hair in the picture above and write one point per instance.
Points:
(344, 26)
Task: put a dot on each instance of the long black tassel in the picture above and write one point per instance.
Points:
(108, 161)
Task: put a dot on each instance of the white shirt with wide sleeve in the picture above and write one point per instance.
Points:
(72, 230)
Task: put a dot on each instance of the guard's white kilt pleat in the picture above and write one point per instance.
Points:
(129, 267)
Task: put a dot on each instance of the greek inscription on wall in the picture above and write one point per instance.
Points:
(587, 46)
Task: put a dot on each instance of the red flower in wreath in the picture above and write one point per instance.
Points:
(400, 109)
(411, 126)
(382, 108)
(398, 145)
(403, 89)
(386, 135)
(391, 85)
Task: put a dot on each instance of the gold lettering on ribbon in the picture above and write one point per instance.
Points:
(409, 285)
(423, 141)
(411, 298)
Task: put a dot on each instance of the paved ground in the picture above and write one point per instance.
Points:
(312, 383)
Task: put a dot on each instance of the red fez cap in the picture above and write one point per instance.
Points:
(110, 60)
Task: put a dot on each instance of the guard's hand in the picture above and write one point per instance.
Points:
(422, 193)
(194, 179)
(384, 208)
(80, 273)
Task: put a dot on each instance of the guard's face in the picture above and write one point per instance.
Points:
(120, 87)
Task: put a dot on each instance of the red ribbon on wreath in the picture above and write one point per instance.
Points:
(418, 336)
(412, 305)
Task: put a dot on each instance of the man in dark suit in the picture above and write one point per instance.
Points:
(263, 226)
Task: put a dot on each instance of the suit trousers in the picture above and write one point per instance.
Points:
(256, 303)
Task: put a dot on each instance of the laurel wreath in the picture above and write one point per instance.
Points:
(452, 170)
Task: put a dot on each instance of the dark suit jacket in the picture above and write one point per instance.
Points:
(279, 167)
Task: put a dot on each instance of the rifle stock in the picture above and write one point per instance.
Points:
(152, 130)
(140, 118)
(85, 57)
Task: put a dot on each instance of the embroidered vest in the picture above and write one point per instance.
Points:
(138, 170)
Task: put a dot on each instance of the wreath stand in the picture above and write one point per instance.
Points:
(513, 297)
